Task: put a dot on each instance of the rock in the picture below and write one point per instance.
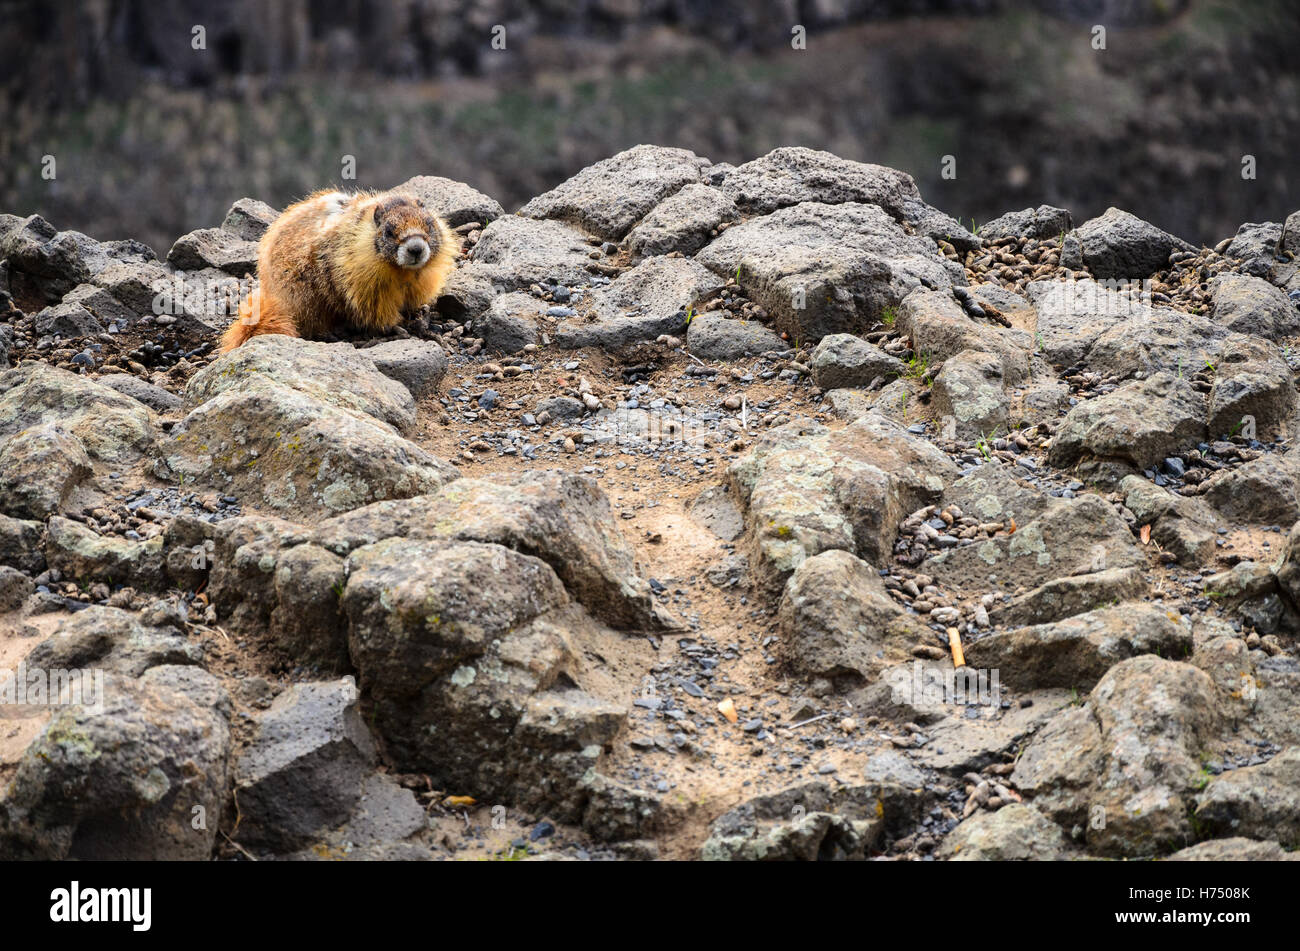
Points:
(1077, 651)
(810, 822)
(938, 226)
(1252, 384)
(20, 544)
(1233, 850)
(1126, 764)
(1256, 244)
(52, 262)
(1264, 491)
(1261, 802)
(510, 323)
(1288, 570)
(468, 293)
(1071, 537)
(452, 641)
(154, 397)
(652, 299)
(1014, 833)
(140, 777)
(820, 269)
(684, 222)
(608, 198)
(115, 640)
(249, 218)
(331, 373)
(1073, 314)
(39, 468)
(267, 441)
(563, 519)
(15, 588)
(807, 489)
(1065, 597)
(214, 248)
(838, 622)
(1137, 426)
(969, 391)
(134, 285)
(80, 553)
(513, 253)
(1121, 245)
(561, 408)
(455, 202)
(418, 365)
(843, 360)
(1251, 305)
(67, 319)
(993, 492)
(617, 812)
(307, 622)
(1043, 222)
(302, 771)
(939, 330)
(1185, 526)
(113, 428)
(711, 336)
(790, 176)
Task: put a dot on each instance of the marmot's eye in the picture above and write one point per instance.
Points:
(390, 231)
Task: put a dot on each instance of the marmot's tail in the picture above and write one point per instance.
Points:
(257, 315)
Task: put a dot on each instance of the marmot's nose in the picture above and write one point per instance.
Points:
(413, 252)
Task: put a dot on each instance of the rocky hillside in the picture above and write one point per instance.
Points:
(659, 535)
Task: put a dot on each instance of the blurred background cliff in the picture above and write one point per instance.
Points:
(153, 138)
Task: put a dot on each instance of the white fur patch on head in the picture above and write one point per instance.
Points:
(333, 205)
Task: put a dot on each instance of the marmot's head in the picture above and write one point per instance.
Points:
(406, 234)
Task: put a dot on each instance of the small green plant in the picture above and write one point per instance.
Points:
(690, 315)
(888, 316)
(917, 366)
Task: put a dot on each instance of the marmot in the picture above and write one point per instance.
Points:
(332, 259)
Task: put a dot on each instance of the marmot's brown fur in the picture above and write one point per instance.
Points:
(332, 259)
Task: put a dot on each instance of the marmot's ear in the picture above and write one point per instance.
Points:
(379, 213)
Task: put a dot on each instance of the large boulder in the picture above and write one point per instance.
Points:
(790, 176)
(608, 198)
(652, 299)
(1120, 245)
(455, 202)
(820, 269)
(684, 222)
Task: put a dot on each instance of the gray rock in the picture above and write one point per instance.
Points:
(67, 320)
(938, 226)
(1077, 651)
(39, 468)
(418, 365)
(303, 770)
(684, 222)
(214, 248)
(608, 198)
(80, 553)
(514, 252)
(1125, 765)
(820, 269)
(652, 299)
(1264, 491)
(1180, 524)
(1042, 223)
(113, 428)
(843, 360)
(1235, 849)
(1121, 245)
(249, 218)
(20, 544)
(1137, 425)
(1252, 305)
(1071, 537)
(561, 408)
(1014, 833)
(15, 588)
(1261, 802)
(790, 176)
(154, 397)
(134, 284)
(455, 202)
(154, 788)
(711, 336)
(940, 329)
(1252, 383)
(807, 489)
(969, 391)
(1075, 594)
(115, 640)
(838, 622)
(102, 304)
(510, 323)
